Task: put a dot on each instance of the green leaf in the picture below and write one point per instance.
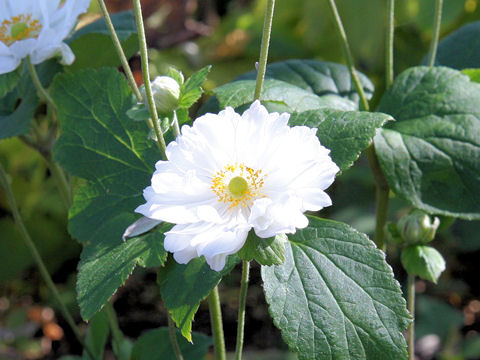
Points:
(276, 96)
(138, 112)
(101, 144)
(268, 252)
(345, 133)
(95, 39)
(183, 287)
(473, 74)
(9, 81)
(319, 77)
(460, 49)
(175, 74)
(103, 268)
(192, 90)
(431, 154)
(335, 297)
(97, 335)
(17, 107)
(155, 345)
(423, 261)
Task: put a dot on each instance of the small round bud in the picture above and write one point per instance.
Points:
(417, 227)
(166, 93)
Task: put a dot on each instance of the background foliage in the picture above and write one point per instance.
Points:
(227, 35)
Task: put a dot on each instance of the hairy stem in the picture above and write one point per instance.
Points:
(389, 44)
(38, 84)
(38, 260)
(241, 309)
(262, 62)
(119, 49)
(217, 325)
(411, 309)
(173, 338)
(348, 55)
(146, 77)
(436, 32)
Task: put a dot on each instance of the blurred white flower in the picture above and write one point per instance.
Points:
(36, 29)
(228, 173)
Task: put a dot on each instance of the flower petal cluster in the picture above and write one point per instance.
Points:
(36, 29)
(229, 173)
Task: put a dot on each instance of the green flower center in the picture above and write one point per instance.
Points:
(238, 186)
(17, 29)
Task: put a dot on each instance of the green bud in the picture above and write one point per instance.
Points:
(392, 235)
(166, 93)
(417, 227)
(423, 261)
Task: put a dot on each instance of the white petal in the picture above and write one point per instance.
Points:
(139, 227)
(213, 241)
(270, 218)
(8, 61)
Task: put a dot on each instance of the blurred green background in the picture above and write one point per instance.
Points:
(190, 34)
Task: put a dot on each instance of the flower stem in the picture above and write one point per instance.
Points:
(37, 258)
(146, 77)
(173, 338)
(380, 182)
(436, 32)
(348, 55)
(411, 309)
(262, 62)
(38, 83)
(389, 43)
(241, 309)
(217, 326)
(119, 49)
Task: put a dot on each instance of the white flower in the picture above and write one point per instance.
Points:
(228, 173)
(36, 29)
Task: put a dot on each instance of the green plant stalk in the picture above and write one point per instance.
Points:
(217, 325)
(119, 49)
(348, 55)
(36, 81)
(146, 77)
(241, 309)
(380, 182)
(436, 32)
(411, 309)
(389, 44)
(173, 338)
(117, 334)
(262, 62)
(37, 258)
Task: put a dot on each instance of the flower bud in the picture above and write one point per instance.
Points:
(166, 93)
(417, 227)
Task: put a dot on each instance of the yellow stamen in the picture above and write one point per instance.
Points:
(238, 185)
(19, 28)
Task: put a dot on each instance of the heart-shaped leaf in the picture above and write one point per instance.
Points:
(431, 154)
(335, 297)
